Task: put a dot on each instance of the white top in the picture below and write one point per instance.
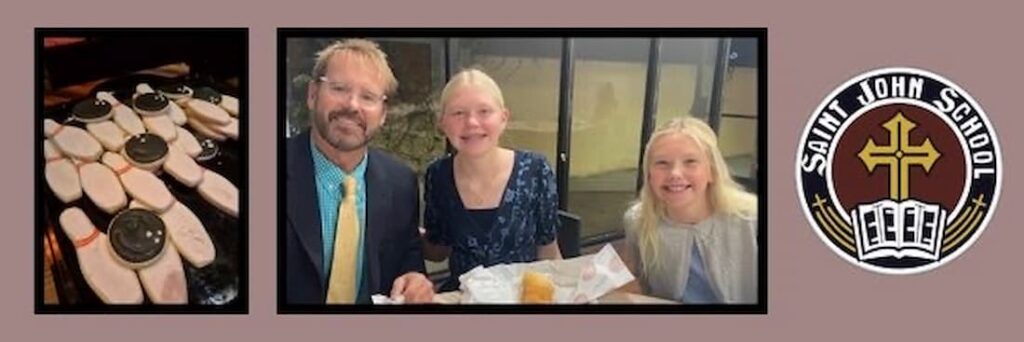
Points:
(728, 245)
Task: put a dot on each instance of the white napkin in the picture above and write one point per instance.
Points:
(578, 280)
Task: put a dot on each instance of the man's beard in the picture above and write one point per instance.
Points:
(341, 141)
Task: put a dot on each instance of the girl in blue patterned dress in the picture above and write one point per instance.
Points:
(485, 205)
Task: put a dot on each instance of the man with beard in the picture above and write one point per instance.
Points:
(352, 211)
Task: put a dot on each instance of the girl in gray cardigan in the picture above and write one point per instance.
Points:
(692, 234)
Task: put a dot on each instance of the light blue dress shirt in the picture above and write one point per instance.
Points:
(329, 190)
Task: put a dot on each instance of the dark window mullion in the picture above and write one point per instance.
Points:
(449, 63)
(650, 104)
(717, 83)
(565, 89)
(449, 58)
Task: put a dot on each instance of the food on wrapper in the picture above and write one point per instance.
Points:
(577, 280)
(537, 289)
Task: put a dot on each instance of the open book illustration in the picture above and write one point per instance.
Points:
(907, 228)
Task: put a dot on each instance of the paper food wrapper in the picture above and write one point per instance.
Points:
(380, 299)
(577, 280)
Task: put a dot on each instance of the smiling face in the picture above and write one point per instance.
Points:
(473, 120)
(680, 174)
(347, 102)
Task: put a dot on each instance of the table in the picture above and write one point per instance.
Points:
(615, 297)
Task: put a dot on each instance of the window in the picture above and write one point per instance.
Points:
(410, 132)
(607, 114)
(527, 70)
(737, 134)
(608, 89)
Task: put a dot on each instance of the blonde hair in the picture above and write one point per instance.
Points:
(726, 196)
(470, 77)
(364, 49)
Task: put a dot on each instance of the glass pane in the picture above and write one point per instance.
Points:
(527, 70)
(608, 99)
(737, 135)
(686, 84)
(301, 56)
(737, 138)
(687, 69)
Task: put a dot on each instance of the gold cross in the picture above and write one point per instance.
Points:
(979, 201)
(899, 155)
(818, 202)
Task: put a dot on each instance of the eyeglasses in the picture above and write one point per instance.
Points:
(341, 90)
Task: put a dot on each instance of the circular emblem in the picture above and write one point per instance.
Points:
(899, 170)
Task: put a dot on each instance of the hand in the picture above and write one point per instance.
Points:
(414, 287)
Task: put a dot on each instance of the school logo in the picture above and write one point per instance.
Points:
(899, 170)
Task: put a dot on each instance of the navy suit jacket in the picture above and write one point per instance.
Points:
(392, 245)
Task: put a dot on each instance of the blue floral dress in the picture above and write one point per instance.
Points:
(526, 217)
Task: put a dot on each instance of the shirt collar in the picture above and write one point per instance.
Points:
(327, 172)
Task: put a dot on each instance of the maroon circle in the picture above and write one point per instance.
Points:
(855, 185)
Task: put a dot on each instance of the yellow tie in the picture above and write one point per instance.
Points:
(342, 286)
